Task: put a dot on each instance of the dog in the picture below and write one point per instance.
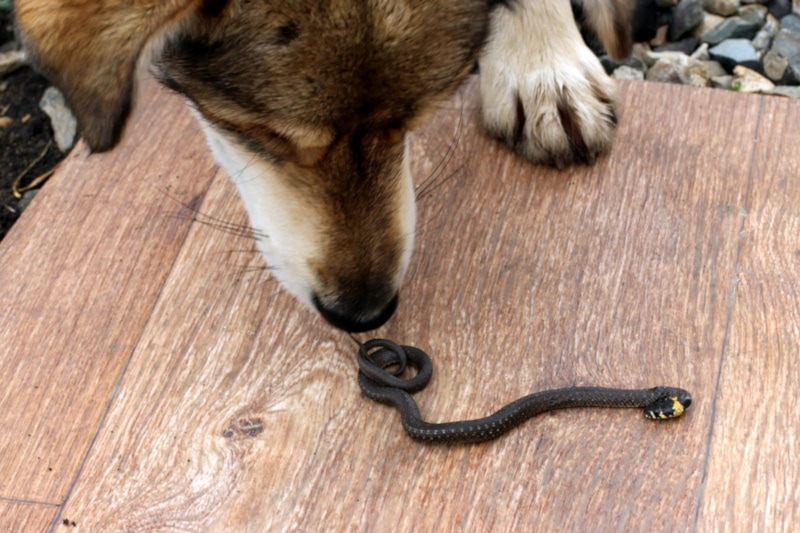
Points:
(306, 105)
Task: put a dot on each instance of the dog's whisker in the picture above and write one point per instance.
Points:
(241, 251)
(426, 186)
(260, 268)
(231, 228)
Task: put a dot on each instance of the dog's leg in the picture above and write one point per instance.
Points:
(542, 90)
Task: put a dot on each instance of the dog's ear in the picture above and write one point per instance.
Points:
(612, 22)
(90, 49)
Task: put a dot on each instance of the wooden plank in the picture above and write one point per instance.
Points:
(753, 474)
(240, 409)
(78, 277)
(26, 516)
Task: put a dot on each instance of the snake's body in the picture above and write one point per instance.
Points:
(386, 387)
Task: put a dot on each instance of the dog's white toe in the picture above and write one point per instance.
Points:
(544, 92)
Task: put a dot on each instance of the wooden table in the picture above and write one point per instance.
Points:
(155, 377)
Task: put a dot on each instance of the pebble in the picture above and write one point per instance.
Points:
(61, 118)
(702, 42)
(768, 31)
(687, 16)
(725, 8)
(735, 52)
(11, 61)
(791, 23)
(624, 72)
(749, 81)
(787, 45)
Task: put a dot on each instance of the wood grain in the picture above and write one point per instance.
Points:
(752, 478)
(26, 516)
(239, 409)
(78, 277)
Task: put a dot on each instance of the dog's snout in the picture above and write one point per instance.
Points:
(352, 316)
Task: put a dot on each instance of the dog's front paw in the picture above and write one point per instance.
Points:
(554, 106)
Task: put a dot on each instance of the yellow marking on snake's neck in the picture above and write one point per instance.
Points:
(677, 407)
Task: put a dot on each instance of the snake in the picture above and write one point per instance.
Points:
(388, 387)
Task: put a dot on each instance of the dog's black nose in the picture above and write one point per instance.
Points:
(353, 321)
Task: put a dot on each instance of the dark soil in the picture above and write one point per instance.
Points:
(27, 137)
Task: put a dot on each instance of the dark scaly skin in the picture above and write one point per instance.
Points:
(382, 386)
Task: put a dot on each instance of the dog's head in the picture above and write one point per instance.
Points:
(305, 104)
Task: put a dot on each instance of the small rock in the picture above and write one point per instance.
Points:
(784, 90)
(749, 81)
(687, 16)
(661, 36)
(675, 67)
(735, 52)
(701, 54)
(11, 61)
(743, 26)
(787, 45)
(651, 57)
(664, 71)
(710, 21)
(725, 8)
(687, 46)
(775, 66)
(639, 49)
(611, 65)
(791, 23)
(768, 31)
(722, 82)
(27, 196)
(64, 124)
(753, 13)
(625, 72)
(5, 122)
(715, 69)
(780, 8)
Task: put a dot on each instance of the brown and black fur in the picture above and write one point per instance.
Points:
(320, 93)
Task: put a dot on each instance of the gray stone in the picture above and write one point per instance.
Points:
(650, 57)
(768, 31)
(64, 124)
(775, 66)
(732, 28)
(791, 23)
(11, 61)
(688, 15)
(787, 45)
(664, 72)
(715, 69)
(701, 54)
(725, 8)
(722, 82)
(784, 90)
(753, 13)
(735, 52)
(26, 199)
(687, 46)
(710, 21)
(625, 72)
(610, 64)
(674, 67)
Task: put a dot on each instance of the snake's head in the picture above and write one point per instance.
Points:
(671, 406)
